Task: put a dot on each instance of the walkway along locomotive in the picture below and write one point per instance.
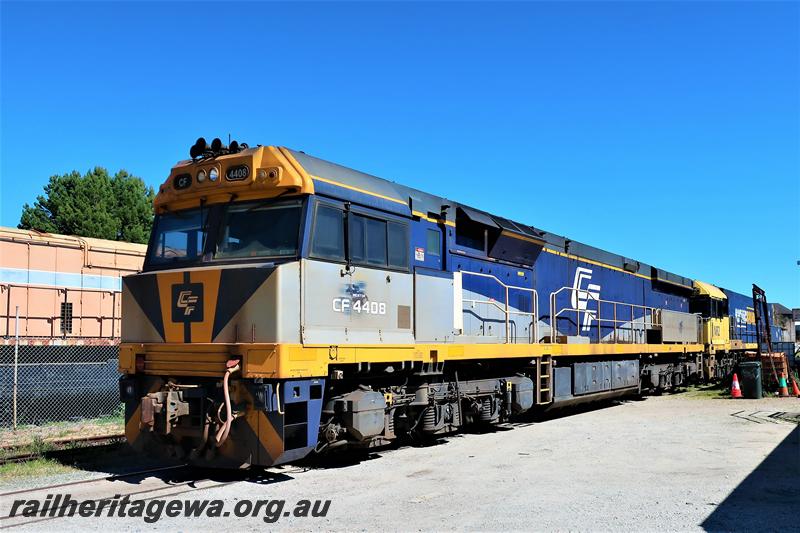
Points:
(290, 305)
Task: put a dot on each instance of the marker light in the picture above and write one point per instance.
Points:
(267, 174)
(213, 174)
(201, 176)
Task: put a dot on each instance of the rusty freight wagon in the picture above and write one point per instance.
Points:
(60, 301)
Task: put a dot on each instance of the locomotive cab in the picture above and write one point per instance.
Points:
(209, 324)
(712, 304)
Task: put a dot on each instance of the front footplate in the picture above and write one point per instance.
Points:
(273, 421)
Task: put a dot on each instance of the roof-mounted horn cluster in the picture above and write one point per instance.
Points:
(201, 150)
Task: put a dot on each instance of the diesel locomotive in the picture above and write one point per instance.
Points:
(289, 305)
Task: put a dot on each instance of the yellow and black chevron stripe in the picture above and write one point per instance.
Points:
(193, 306)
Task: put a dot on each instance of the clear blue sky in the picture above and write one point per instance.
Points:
(647, 129)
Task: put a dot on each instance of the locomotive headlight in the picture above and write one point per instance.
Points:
(213, 174)
(201, 176)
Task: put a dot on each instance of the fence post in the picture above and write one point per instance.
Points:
(16, 372)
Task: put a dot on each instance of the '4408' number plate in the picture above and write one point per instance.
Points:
(346, 305)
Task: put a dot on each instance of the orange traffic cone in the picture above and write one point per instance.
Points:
(784, 390)
(795, 389)
(736, 391)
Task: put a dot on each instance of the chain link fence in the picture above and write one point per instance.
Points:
(790, 349)
(57, 383)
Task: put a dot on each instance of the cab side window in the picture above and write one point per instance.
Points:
(433, 243)
(369, 241)
(398, 245)
(376, 242)
(328, 239)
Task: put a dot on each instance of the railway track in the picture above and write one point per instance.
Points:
(114, 477)
(62, 448)
(162, 482)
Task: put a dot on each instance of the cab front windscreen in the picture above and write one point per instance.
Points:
(263, 229)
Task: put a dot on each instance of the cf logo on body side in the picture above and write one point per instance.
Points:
(187, 302)
(583, 294)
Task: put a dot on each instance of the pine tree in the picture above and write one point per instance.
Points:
(93, 205)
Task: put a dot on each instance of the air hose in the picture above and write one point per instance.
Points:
(222, 433)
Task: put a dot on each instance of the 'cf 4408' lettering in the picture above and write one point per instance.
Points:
(346, 305)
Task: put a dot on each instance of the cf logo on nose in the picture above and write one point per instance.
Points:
(186, 301)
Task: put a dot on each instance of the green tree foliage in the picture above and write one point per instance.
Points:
(93, 205)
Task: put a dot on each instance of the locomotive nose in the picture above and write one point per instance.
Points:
(184, 306)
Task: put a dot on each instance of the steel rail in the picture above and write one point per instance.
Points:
(18, 458)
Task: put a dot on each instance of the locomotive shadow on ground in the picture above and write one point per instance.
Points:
(350, 458)
(119, 459)
(768, 499)
(175, 473)
(189, 475)
(114, 459)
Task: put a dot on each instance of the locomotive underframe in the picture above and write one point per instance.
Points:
(375, 404)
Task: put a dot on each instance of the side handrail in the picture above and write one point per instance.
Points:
(506, 308)
(651, 313)
(744, 332)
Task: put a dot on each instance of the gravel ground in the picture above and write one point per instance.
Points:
(664, 463)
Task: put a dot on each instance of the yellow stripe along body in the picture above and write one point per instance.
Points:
(284, 361)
